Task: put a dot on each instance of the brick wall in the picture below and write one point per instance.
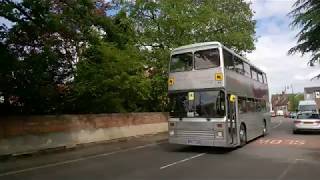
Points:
(37, 125)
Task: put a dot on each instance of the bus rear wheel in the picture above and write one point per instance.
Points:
(242, 135)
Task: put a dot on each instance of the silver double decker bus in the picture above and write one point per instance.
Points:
(217, 98)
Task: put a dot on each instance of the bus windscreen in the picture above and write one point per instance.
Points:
(206, 104)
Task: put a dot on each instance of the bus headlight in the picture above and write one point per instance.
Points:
(219, 134)
(171, 132)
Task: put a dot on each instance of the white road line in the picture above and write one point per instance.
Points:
(77, 160)
(277, 124)
(181, 161)
(285, 172)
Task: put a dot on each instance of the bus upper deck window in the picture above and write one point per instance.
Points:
(228, 60)
(181, 62)
(205, 59)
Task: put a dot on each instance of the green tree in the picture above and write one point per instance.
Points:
(72, 57)
(43, 47)
(168, 24)
(111, 80)
(294, 101)
(306, 17)
(112, 75)
(165, 24)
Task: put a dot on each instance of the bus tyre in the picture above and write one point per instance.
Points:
(242, 135)
(265, 130)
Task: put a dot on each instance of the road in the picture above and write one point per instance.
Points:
(280, 155)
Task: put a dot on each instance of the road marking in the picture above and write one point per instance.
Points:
(181, 161)
(285, 172)
(277, 124)
(77, 160)
(295, 142)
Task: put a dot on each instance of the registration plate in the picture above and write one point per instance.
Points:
(308, 123)
(193, 142)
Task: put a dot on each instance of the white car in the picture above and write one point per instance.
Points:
(280, 113)
(306, 121)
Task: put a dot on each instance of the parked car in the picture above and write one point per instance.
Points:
(273, 114)
(306, 121)
(280, 113)
(286, 114)
(293, 115)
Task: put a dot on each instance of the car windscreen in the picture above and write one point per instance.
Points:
(208, 104)
(308, 116)
(307, 107)
(181, 62)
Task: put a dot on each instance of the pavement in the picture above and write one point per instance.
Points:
(281, 155)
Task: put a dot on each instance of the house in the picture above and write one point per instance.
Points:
(280, 103)
(312, 93)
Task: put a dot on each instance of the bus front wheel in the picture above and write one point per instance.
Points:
(265, 130)
(243, 135)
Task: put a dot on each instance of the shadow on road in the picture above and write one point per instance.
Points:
(308, 132)
(196, 149)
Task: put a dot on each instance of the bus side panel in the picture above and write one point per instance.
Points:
(243, 86)
(252, 125)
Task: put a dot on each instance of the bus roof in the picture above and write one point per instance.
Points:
(212, 43)
(195, 45)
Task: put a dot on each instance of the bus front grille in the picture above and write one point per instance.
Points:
(200, 134)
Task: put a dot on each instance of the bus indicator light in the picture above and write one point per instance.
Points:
(191, 96)
(232, 98)
(171, 81)
(219, 77)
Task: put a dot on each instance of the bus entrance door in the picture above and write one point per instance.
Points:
(232, 119)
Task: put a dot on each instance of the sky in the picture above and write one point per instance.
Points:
(274, 38)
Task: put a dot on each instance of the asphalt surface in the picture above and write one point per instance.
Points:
(280, 155)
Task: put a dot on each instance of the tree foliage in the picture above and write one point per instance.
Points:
(306, 17)
(168, 24)
(294, 101)
(84, 56)
(111, 80)
(43, 47)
